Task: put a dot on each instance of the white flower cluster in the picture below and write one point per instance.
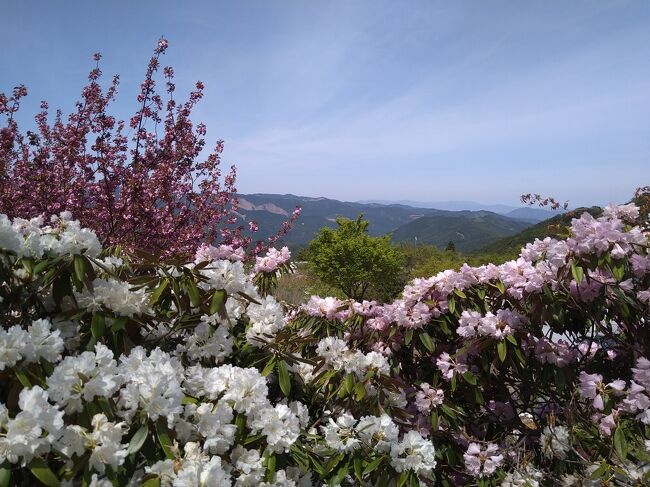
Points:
(153, 384)
(266, 319)
(555, 442)
(242, 391)
(29, 346)
(115, 295)
(381, 435)
(196, 468)
(207, 342)
(104, 443)
(231, 276)
(338, 356)
(33, 431)
(32, 238)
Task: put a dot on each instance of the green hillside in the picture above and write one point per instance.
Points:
(468, 231)
(553, 227)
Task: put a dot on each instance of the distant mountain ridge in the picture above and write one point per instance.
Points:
(529, 214)
(467, 229)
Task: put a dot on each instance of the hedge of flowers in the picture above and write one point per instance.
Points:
(119, 369)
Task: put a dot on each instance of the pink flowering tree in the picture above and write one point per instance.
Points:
(145, 184)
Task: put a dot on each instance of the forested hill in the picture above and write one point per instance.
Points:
(468, 230)
(553, 227)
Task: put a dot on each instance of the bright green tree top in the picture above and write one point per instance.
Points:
(358, 264)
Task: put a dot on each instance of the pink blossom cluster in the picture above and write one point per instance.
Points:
(143, 184)
(620, 397)
(272, 260)
(209, 253)
(427, 398)
(498, 325)
(540, 264)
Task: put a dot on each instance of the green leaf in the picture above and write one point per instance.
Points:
(600, 471)
(79, 267)
(451, 304)
(138, 439)
(189, 400)
(359, 391)
(193, 292)
(22, 377)
(501, 287)
(155, 482)
(372, 465)
(157, 293)
(403, 477)
(268, 368)
(502, 349)
(384, 480)
(435, 421)
(42, 472)
(512, 339)
(270, 467)
(119, 323)
(218, 301)
(41, 266)
(164, 439)
(618, 270)
(5, 477)
(577, 272)
(470, 378)
(426, 341)
(358, 468)
(620, 444)
(284, 378)
(460, 293)
(408, 336)
(340, 475)
(98, 326)
(448, 411)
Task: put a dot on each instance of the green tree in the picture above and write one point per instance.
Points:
(359, 265)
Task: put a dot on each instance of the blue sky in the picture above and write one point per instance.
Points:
(355, 100)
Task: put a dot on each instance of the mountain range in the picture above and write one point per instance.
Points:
(533, 215)
(468, 229)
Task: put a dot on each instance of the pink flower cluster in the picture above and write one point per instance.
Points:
(272, 261)
(209, 253)
(625, 399)
(497, 326)
(540, 264)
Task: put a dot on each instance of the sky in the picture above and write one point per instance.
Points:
(385, 100)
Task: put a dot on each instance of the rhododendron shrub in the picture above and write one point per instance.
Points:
(147, 183)
(534, 372)
(122, 370)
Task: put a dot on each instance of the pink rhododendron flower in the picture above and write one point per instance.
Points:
(428, 398)
(449, 366)
(482, 462)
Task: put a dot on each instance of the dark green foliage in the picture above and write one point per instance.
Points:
(467, 230)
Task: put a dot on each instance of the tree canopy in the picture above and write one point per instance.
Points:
(359, 265)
